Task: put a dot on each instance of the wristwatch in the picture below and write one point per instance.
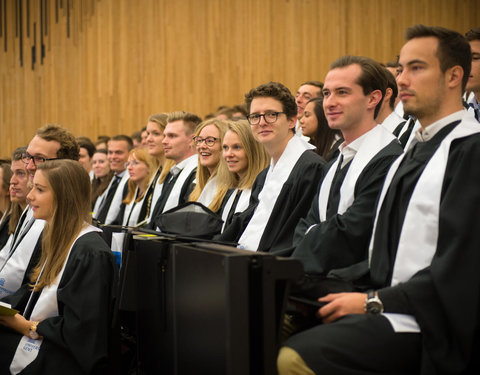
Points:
(373, 305)
(32, 332)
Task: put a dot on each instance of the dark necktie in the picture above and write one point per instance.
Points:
(334, 195)
(108, 199)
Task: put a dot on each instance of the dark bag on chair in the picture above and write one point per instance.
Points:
(191, 219)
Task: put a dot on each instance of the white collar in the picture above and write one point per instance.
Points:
(426, 134)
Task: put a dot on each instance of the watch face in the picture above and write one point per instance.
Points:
(374, 307)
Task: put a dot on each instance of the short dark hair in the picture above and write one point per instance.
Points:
(316, 84)
(123, 137)
(87, 144)
(391, 84)
(473, 34)
(276, 91)
(371, 78)
(68, 145)
(392, 64)
(453, 49)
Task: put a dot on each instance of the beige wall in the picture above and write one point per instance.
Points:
(127, 59)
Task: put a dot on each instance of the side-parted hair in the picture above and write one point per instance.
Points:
(316, 84)
(473, 34)
(122, 137)
(16, 209)
(277, 91)
(453, 49)
(221, 170)
(391, 84)
(87, 144)
(69, 148)
(325, 136)
(141, 154)
(257, 157)
(70, 184)
(371, 78)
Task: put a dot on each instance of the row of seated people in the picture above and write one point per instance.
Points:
(355, 221)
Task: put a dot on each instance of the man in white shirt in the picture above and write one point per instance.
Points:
(50, 142)
(282, 193)
(422, 314)
(306, 91)
(473, 84)
(178, 181)
(118, 149)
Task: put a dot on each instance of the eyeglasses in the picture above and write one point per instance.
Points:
(26, 157)
(269, 117)
(209, 141)
(133, 163)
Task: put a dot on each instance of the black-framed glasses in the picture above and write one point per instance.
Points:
(209, 141)
(26, 157)
(269, 117)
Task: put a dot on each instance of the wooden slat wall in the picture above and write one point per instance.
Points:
(125, 60)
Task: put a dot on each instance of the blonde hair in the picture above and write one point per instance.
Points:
(70, 185)
(141, 154)
(204, 175)
(257, 157)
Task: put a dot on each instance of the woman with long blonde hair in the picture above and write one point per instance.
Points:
(64, 317)
(245, 158)
(208, 189)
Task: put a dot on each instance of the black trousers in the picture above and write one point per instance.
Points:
(356, 345)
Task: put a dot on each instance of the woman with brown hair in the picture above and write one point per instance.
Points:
(5, 203)
(314, 125)
(63, 323)
(102, 175)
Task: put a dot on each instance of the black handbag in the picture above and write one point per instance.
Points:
(190, 219)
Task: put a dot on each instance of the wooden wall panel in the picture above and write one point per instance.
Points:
(125, 60)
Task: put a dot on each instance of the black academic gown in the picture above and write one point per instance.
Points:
(4, 232)
(444, 297)
(292, 204)
(76, 341)
(185, 192)
(342, 239)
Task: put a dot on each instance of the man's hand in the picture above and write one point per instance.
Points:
(341, 304)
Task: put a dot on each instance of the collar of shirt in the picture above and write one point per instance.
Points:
(350, 150)
(424, 135)
(121, 174)
(184, 162)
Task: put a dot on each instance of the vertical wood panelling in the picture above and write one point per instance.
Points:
(125, 60)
